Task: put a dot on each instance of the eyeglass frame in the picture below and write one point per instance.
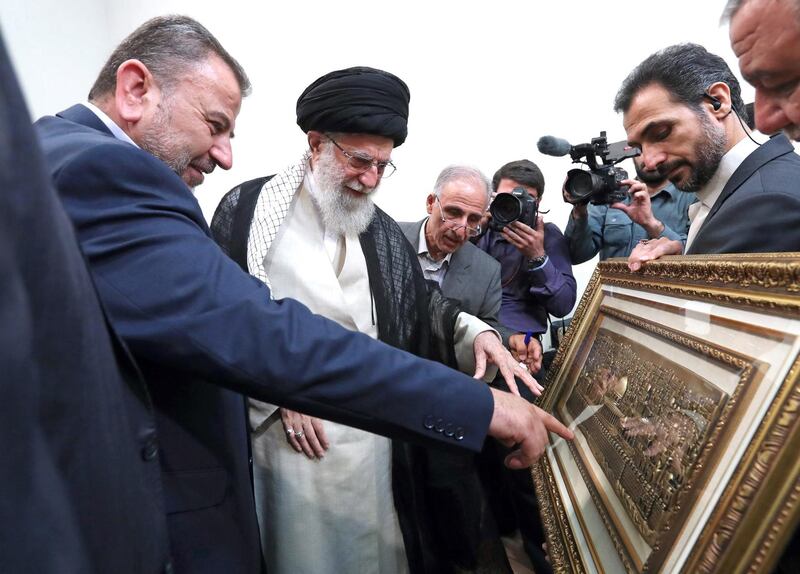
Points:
(471, 231)
(380, 166)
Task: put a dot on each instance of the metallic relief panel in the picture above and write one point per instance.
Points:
(653, 418)
(681, 386)
(644, 421)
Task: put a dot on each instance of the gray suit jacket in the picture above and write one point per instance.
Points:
(758, 210)
(473, 277)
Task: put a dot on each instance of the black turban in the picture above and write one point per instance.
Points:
(356, 100)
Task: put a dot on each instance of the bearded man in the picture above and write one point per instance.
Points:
(683, 108)
(314, 234)
(161, 115)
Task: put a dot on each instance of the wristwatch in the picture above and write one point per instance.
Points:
(536, 262)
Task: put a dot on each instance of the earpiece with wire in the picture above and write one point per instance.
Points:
(716, 105)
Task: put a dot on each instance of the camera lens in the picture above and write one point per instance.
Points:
(582, 184)
(505, 208)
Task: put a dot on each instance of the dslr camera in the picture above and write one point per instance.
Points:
(515, 206)
(601, 183)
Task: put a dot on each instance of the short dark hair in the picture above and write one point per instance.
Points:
(522, 171)
(686, 71)
(169, 46)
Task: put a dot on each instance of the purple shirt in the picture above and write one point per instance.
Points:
(529, 296)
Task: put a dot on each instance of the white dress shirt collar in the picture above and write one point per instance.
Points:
(432, 270)
(422, 244)
(110, 124)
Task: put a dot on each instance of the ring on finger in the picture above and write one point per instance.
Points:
(299, 434)
(289, 431)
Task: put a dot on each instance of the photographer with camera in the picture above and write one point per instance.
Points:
(536, 273)
(653, 208)
(537, 281)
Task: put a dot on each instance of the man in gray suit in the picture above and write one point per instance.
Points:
(459, 199)
(458, 502)
(682, 106)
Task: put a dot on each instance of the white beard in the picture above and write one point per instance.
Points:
(341, 211)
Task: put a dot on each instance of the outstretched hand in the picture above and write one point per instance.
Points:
(672, 434)
(487, 347)
(516, 422)
(652, 249)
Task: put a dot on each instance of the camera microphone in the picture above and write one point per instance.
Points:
(550, 145)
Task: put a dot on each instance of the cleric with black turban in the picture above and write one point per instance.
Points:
(356, 100)
(332, 498)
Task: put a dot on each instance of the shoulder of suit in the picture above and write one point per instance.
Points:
(478, 256)
(90, 155)
(778, 175)
(410, 229)
(408, 225)
(93, 146)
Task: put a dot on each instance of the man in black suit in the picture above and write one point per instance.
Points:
(160, 116)
(682, 106)
(80, 493)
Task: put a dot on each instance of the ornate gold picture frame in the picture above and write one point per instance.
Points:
(681, 384)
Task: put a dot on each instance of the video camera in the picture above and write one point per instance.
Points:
(601, 184)
(515, 206)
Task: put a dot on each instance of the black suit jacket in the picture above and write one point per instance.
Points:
(758, 210)
(79, 493)
(204, 331)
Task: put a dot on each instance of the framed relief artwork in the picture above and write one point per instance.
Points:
(681, 385)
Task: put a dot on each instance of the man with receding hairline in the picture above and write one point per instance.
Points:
(456, 207)
(202, 330)
(765, 36)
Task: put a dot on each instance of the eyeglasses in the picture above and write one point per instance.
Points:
(362, 163)
(451, 223)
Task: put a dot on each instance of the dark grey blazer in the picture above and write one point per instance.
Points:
(473, 277)
(759, 208)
